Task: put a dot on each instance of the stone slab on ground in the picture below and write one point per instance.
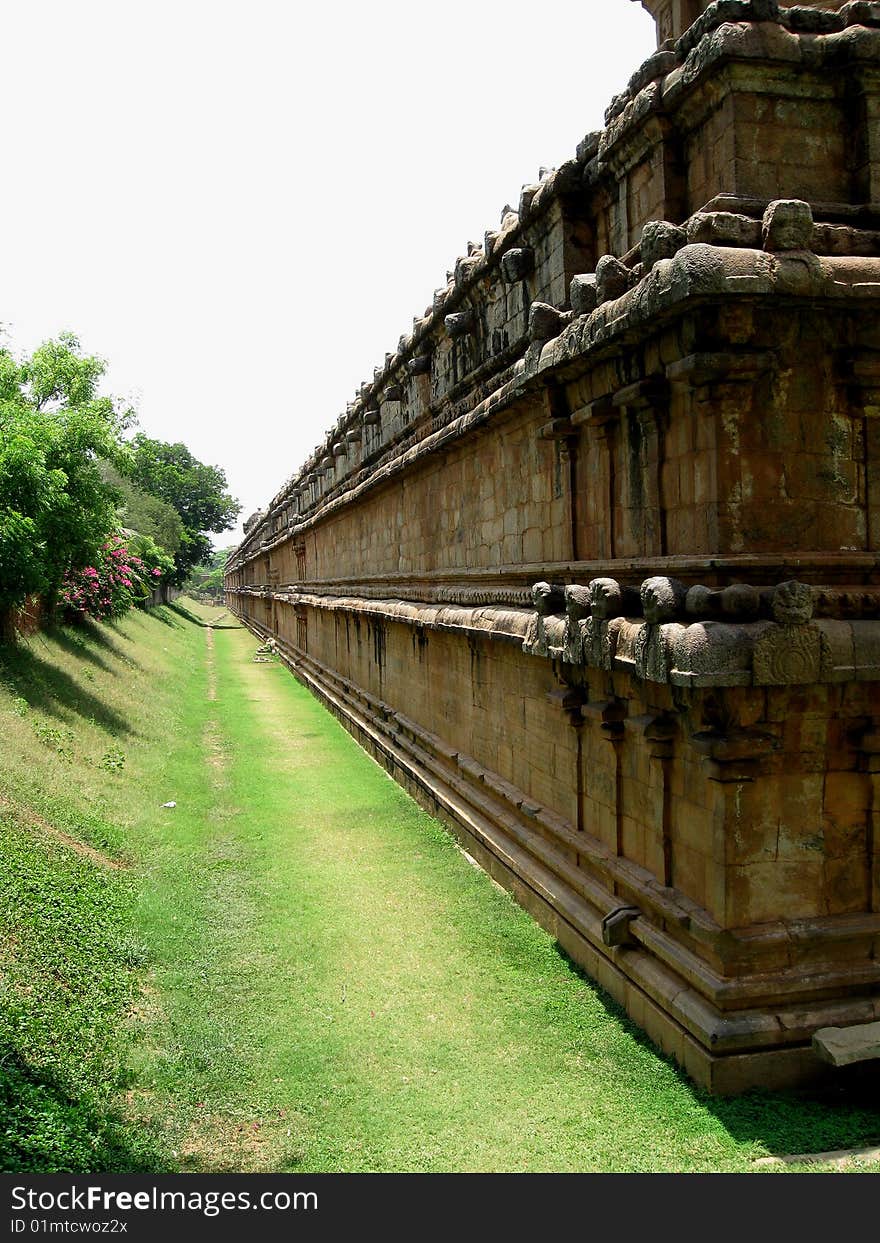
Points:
(841, 1046)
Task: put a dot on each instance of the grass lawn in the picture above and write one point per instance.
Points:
(294, 968)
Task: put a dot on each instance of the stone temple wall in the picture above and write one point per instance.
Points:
(591, 563)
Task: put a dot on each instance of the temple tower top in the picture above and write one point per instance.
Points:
(674, 16)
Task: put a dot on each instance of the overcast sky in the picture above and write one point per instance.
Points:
(242, 206)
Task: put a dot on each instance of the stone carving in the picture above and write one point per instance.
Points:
(607, 598)
(582, 294)
(787, 225)
(460, 323)
(662, 599)
(613, 279)
(730, 645)
(545, 322)
(787, 656)
(577, 611)
(544, 638)
(547, 599)
(661, 240)
(516, 264)
(792, 603)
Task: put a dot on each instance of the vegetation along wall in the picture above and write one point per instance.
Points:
(591, 563)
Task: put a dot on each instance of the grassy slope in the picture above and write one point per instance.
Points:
(81, 721)
(311, 976)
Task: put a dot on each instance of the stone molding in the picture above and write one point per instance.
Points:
(739, 636)
(697, 637)
(699, 272)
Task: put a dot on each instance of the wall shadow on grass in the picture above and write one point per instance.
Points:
(162, 613)
(843, 1112)
(181, 611)
(45, 1130)
(42, 685)
(82, 647)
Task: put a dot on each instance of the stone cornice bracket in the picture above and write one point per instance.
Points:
(659, 730)
(862, 371)
(725, 367)
(609, 714)
(459, 324)
(570, 699)
(516, 264)
(559, 426)
(733, 755)
(599, 414)
(649, 395)
(419, 364)
(372, 416)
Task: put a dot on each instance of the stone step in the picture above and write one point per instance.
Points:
(841, 1046)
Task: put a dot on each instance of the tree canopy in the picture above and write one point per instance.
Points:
(140, 511)
(197, 492)
(55, 508)
(70, 483)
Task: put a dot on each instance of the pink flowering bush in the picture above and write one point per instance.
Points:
(110, 587)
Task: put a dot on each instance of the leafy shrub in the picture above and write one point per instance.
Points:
(109, 588)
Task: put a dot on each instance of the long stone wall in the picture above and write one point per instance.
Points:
(591, 564)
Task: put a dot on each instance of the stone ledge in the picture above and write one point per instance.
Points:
(699, 273)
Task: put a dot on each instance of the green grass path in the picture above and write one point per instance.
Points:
(376, 1001)
(293, 968)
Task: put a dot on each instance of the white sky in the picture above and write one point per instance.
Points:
(242, 206)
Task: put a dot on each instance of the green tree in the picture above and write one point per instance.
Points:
(55, 508)
(148, 515)
(196, 491)
(208, 579)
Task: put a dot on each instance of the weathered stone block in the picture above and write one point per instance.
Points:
(516, 264)
(661, 240)
(582, 294)
(613, 279)
(788, 225)
(843, 1046)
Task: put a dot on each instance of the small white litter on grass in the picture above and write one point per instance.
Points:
(169, 804)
